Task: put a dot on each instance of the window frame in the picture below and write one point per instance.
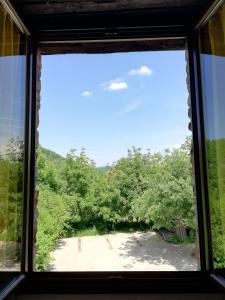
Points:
(9, 279)
(205, 280)
(217, 275)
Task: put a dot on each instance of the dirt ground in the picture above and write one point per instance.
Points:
(139, 251)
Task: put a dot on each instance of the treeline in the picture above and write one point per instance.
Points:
(145, 189)
(142, 188)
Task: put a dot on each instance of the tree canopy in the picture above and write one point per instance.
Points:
(150, 188)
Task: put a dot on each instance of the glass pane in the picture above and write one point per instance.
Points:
(12, 117)
(125, 202)
(213, 75)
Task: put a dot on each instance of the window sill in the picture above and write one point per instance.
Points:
(119, 282)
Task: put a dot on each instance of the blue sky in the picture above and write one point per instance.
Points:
(213, 73)
(108, 102)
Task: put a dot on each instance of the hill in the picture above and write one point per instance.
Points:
(58, 160)
(103, 169)
(52, 156)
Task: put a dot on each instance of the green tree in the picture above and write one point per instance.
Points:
(47, 173)
(168, 201)
(143, 187)
(128, 179)
(52, 214)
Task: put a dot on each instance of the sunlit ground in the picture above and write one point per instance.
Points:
(138, 251)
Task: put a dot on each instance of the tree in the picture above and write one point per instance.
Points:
(168, 201)
(142, 187)
(79, 171)
(47, 174)
(128, 178)
(52, 214)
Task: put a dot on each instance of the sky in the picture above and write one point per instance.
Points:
(213, 73)
(12, 99)
(108, 103)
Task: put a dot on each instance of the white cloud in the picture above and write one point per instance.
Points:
(115, 85)
(142, 71)
(87, 94)
(129, 107)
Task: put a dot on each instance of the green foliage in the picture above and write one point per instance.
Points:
(215, 150)
(168, 200)
(119, 227)
(47, 172)
(128, 178)
(175, 239)
(103, 169)
(53, 157)
(52, 214)
(11, 196)
(142, 190)
(79, 173)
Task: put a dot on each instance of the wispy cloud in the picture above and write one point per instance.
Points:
(142, 71)
(115, 85)
(87, 94)
(129, 108)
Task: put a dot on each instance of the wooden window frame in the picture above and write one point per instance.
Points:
(9, 280)
(205, 280)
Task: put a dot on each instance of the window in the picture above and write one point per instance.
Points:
(12, 122)
(213, 72)
(17, 153)
(13, 64)
(123, 200)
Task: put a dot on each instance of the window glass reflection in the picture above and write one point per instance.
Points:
(213, 74)
(12, 117)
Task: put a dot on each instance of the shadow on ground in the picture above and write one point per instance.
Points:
(60, 245)
(150, 247)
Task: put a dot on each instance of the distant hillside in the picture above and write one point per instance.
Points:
(52, 156)
(58, 160)
(103, 169)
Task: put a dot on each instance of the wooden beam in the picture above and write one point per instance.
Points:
(111, 47)
(40, 7)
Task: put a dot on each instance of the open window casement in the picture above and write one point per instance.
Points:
(19, 98)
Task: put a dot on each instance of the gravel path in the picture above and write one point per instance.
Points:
(122, 252)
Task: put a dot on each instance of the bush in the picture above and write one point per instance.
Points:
(52, 214)
(138, 191)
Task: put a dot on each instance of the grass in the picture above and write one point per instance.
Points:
(125, 227)
(85, 232)
(175, 239)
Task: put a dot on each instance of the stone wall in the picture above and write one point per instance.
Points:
(38, 105)
(190, 127)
